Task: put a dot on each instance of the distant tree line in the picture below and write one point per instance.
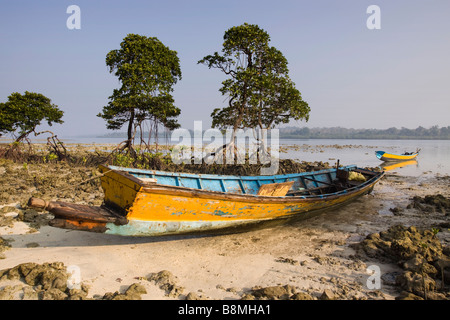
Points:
(420, 133)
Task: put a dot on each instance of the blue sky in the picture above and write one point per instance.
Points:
(398, 76)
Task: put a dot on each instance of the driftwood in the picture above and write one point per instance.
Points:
(78, 212)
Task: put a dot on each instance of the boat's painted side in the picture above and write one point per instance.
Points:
(169, 207)
(384, 156)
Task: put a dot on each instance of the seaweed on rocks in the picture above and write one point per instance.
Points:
(4, 245)
(431, 204)
(280, 292)
(49, 281)
(425, 262)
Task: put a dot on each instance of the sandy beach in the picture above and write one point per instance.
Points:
(317, 258)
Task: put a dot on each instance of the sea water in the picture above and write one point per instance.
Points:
(434, 155)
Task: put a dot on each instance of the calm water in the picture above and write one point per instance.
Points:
(434, 157)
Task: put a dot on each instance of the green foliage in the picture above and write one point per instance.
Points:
(141, 160)
(147, 70)
(21, 114)
(259, 90)
(51, 157)
(435, 231)
(123, 160)
(6, 120)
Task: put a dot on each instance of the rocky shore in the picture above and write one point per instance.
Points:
(390, 244)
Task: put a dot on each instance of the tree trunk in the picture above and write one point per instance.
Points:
(23, 136)
(129, 144)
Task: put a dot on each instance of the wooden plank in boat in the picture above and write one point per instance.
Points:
(148, 180)
(275, 189)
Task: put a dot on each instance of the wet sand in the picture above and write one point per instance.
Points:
(313, 258)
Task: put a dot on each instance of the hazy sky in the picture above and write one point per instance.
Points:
(351, 76)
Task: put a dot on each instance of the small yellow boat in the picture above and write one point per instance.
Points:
(384, 156)
(151, 203)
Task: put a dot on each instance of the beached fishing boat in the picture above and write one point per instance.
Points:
(384, 156)
(148, 203)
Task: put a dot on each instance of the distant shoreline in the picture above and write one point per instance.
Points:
(292, 133)
(420, 133)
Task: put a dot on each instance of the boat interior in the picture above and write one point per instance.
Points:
(299, 184)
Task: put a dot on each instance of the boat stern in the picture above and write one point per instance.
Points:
(120, 189)
(379, 154)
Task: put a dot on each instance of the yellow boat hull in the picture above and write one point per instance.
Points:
(395, 157)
